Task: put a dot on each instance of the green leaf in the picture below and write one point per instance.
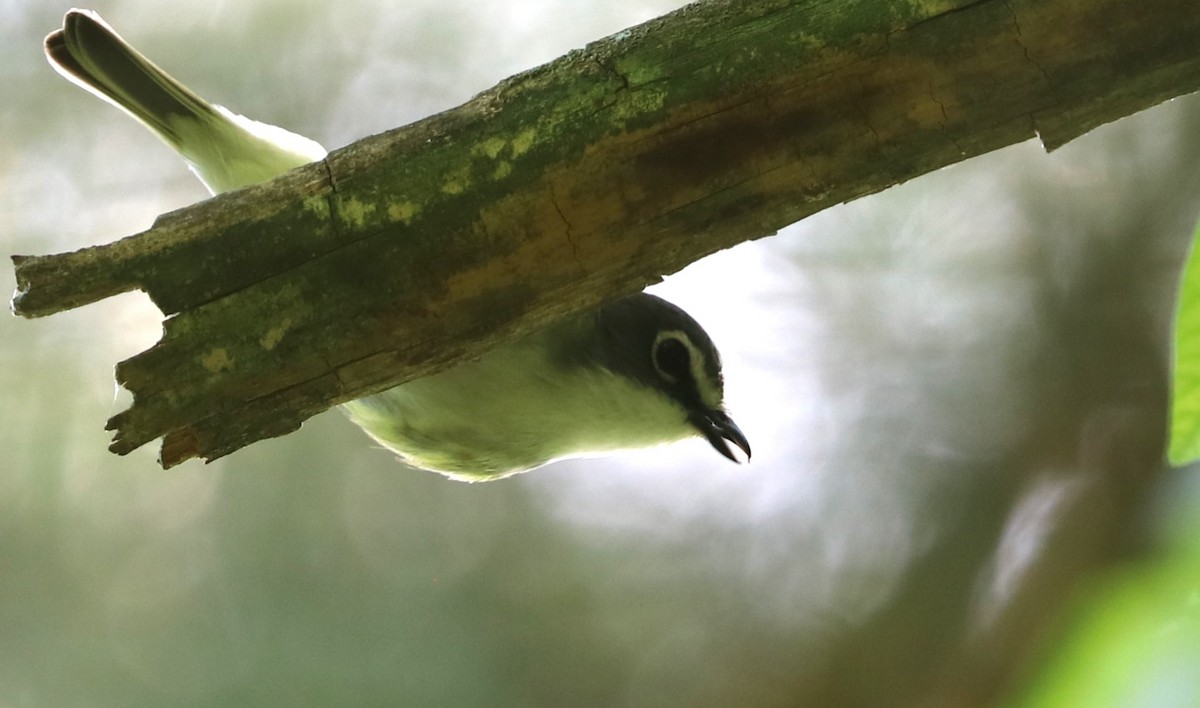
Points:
(1135, 641)
(1185, 384)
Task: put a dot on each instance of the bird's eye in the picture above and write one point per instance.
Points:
(672, 359)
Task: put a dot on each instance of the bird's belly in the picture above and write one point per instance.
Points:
(506, 414)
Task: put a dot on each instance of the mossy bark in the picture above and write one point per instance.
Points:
(585, 179)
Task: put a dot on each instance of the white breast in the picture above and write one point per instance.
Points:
(515, 409)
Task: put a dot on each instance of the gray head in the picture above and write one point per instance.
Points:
(661, 347)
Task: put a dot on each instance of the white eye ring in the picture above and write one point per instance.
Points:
(709, 390)
(680, 337)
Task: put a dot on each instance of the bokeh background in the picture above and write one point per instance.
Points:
(956, 391)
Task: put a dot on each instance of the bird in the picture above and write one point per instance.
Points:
(634, 372)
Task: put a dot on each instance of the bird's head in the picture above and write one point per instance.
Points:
(662, 348)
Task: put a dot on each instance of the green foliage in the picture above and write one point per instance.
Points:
(1136, 638)
(1185, 384)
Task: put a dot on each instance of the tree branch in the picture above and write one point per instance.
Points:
(582, 180)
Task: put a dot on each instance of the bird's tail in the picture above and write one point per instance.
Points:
(92, 55)
(225, 150)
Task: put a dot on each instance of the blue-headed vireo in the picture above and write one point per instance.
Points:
(631, 373)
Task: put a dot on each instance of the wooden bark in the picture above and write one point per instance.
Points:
(585, 179)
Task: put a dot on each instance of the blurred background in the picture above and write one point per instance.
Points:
(956, 393)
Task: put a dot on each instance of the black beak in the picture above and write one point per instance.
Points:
(717, 427)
